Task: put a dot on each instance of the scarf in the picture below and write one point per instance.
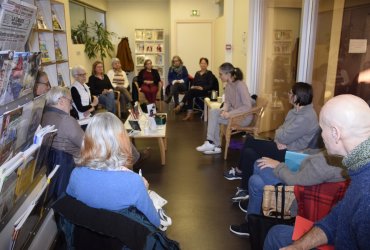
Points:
(177, 70)
(359, 156)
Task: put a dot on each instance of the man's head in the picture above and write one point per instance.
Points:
(59, 97)
(345, 123)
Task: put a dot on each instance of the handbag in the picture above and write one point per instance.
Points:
(278, 198)
(275, 200)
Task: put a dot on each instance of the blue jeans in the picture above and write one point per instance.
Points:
(278, 236)
(257, 181)
(107, 100)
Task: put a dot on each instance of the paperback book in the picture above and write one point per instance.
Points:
(45, 57)
(25, 175)
(7, 195)
(58, 51)
(8, 138)
(55, 21)
(6, 58)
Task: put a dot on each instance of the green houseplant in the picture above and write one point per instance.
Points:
(79, 34)
(100, 43)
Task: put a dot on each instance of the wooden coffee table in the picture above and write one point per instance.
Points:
(145, 133)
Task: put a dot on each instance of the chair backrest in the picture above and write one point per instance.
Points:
(315, 202)
(257, 113)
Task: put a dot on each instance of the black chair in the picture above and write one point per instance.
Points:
(59, 183)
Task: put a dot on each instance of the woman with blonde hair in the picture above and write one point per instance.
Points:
(104, 178)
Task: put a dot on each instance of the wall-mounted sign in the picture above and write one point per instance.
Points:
(357, 46)
(228, 46)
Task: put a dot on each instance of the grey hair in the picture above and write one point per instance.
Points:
(76, 70)
(102, 147)
(115, 59)
(55, 93)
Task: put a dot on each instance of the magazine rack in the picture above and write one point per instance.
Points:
(49, 36)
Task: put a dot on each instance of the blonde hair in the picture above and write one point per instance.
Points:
(106, 145)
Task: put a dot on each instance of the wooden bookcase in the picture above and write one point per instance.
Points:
(49, 37)
(150, 44)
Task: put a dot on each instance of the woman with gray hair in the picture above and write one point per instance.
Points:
(58, 105)
(103, 178)
(119, 80)
(83, 101)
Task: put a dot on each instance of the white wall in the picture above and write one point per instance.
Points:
(181, 11)
(123, 17)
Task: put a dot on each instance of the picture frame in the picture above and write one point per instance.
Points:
(140, 60)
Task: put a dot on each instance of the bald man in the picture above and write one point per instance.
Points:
(345, 123)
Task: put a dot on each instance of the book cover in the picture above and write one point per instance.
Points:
(44, 52)
(8, 138)
(7, 195)
(40, 22)
(25, 175)
(30, 70)
(58, 51)
(6, 59)
(55, 21)
(60, 80)
(17, 74)
(294, 159)
(23, 127)
(36, 115)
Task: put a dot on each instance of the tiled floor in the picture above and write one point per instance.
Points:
(197, 193)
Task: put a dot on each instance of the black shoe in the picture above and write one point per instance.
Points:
(144, 154)
(243, 205)
(240, 230)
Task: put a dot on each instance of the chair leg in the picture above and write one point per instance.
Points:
(227, 144)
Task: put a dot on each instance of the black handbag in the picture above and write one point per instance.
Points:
(259, 225)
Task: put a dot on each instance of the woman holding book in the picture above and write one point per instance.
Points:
(83, 102)
(299, 128)
(101, 87)
(149, 81)
(104, 178)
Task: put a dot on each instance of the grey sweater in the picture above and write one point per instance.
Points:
(298, 128)
(313, 170)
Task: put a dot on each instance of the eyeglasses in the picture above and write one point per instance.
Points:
(82, 74)
(70, 100)
(45, 83)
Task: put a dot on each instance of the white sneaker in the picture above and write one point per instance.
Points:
(206, 147)
(216, 150)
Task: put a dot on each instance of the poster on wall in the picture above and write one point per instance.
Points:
(16, 21)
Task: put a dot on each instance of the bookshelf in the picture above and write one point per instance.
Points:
(49, 36)
(150, 44)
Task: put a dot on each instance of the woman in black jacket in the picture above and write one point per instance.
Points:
(149, 81)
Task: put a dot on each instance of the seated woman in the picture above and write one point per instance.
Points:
(149, 81)
(101, 87)
(42, 84)
(119, 80)
(202, 83)
(299, 128)
(237, 100)
(102, 179)
(177, 79)
(83, 102)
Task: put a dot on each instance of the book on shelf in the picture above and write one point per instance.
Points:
(58, 51)
(159, 35)
(40, 23)
(60, 80)
(9, 125)
(25, 174)
(30, 72)
(158, 59)
(6, 60)
(55, 21)
(45, 57)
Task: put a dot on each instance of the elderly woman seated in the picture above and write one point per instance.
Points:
(104, 178)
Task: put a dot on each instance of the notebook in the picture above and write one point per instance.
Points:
(293, 160)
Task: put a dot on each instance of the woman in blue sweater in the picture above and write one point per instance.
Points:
(102, 179)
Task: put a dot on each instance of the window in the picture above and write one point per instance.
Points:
(80, 12)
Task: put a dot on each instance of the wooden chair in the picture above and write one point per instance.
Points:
(142, 98)
(234, 127)
(117, 96)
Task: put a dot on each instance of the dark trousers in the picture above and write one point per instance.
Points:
(254, 149)
(190, 95)
(175, 89)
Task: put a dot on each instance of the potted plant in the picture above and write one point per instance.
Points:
(100, 43)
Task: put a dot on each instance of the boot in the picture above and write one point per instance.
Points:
(189, 116)
(177, 109)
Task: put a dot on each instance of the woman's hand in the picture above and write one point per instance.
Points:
(280, 146)
(266, 162)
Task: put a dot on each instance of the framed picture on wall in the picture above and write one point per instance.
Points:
(140, 60)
